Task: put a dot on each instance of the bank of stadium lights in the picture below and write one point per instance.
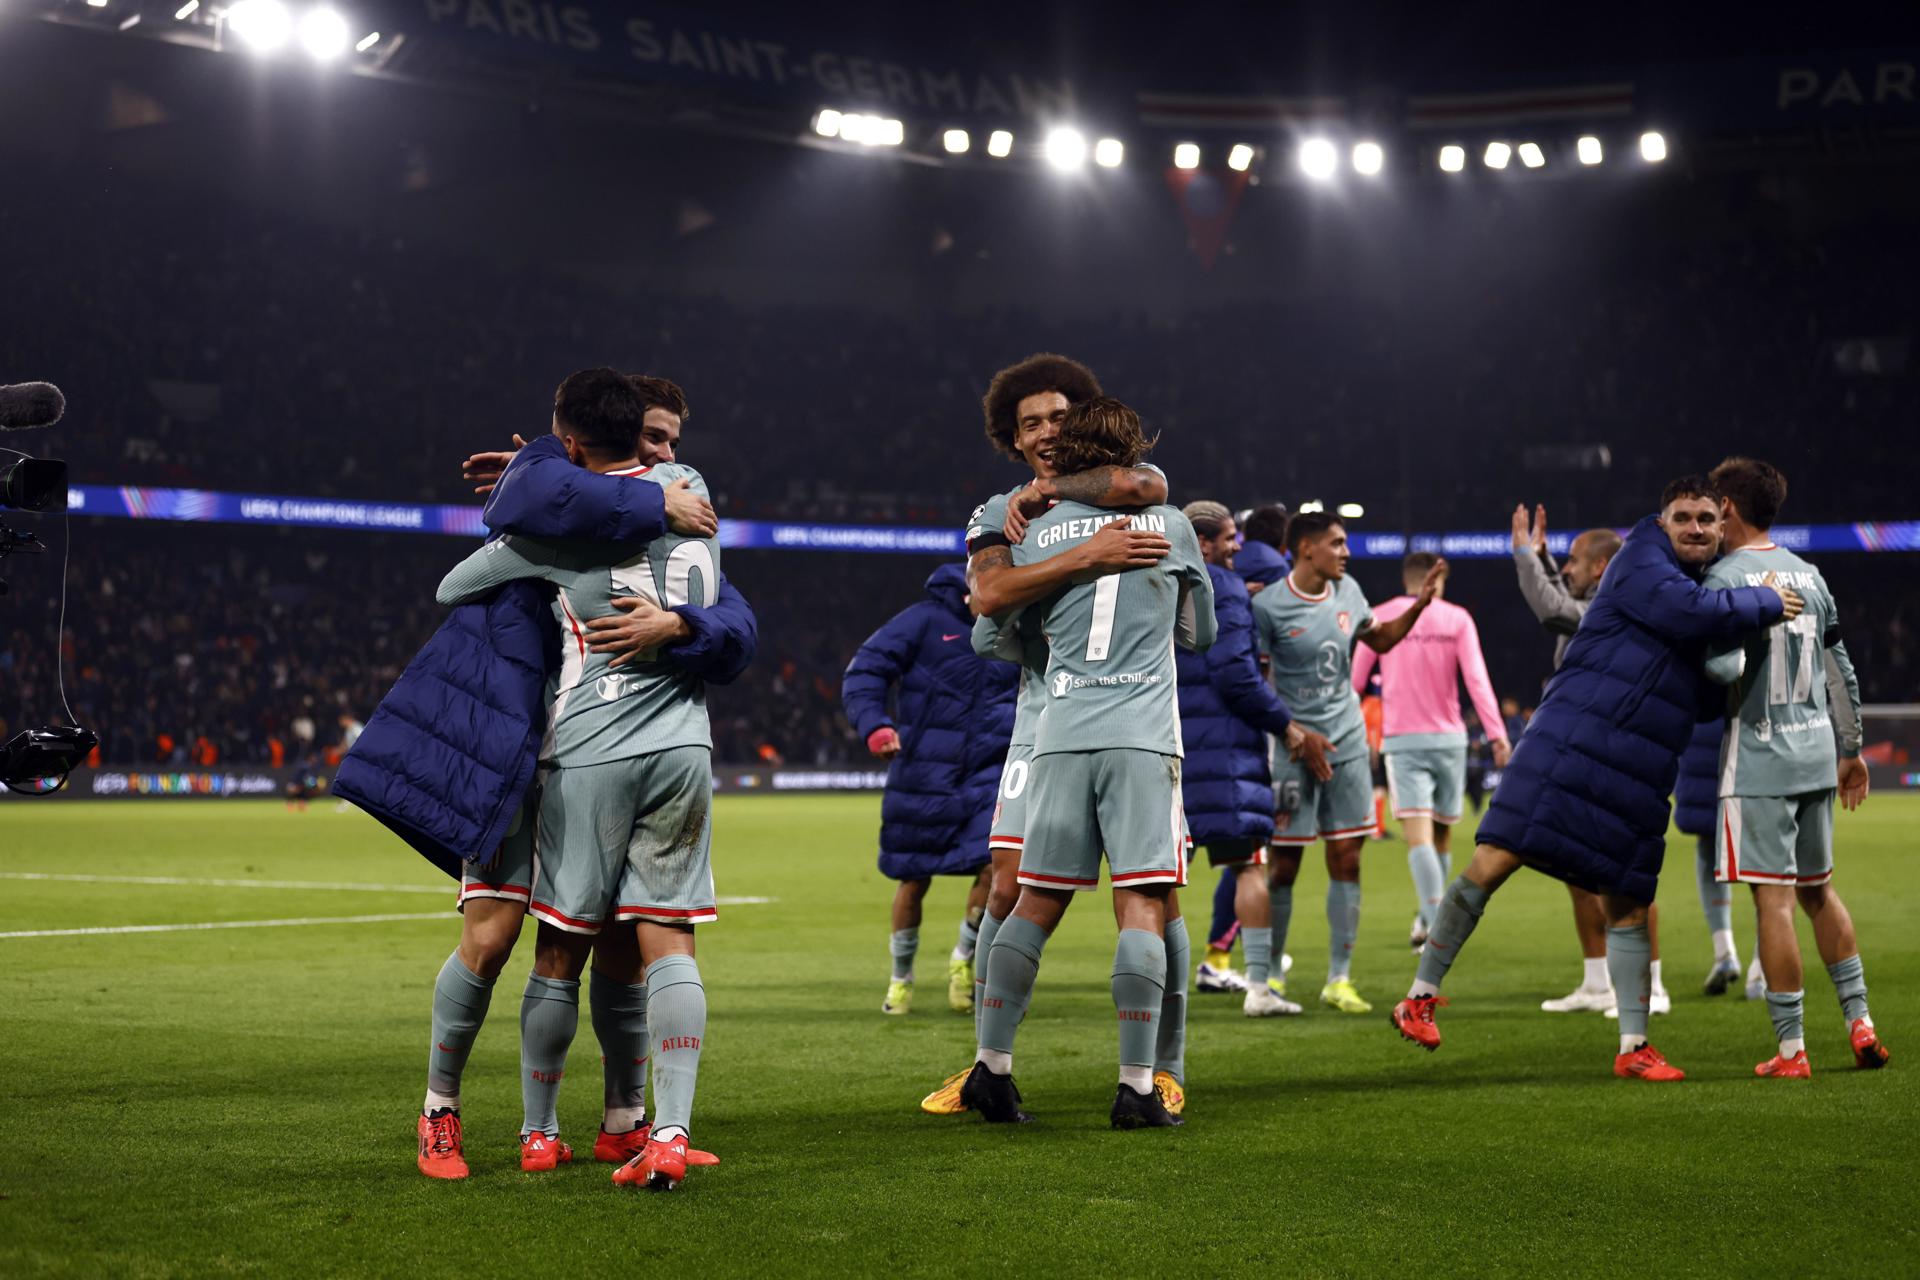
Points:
(1368, 158)
(1240, 157)
(957, 142)
(999, 144)
(1453, 158)
(1109, 152)
(1186, 155)
(859, 128)
(1318, 159)
(1065, 148)
(1588, 150)
(1312, 505)
(1653, 147)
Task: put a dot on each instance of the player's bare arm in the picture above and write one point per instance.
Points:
(1110, 487)
(1382, 636)
(1310, 749)
(995, 585)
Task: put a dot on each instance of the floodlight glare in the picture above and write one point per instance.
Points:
(999, 144)
(96, 4)
(367, 42)
(854, 127)
(1066, 149)
(1531, 155)
(261, 25)
(1312, 505)
(1318, 159)
(1351, 511)
(1498, 153)
(1240, 158)
(956, 142)
(185, 11)
(1109, 152)
(324, 34)
(827, 123)
(1453, 158)
(1186, 155)
(1368, 158)
(1588, 149)
(886, 133)
(1653, 147)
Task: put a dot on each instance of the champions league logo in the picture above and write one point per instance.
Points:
(1062, 682)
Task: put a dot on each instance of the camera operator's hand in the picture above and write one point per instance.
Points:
(485, 469)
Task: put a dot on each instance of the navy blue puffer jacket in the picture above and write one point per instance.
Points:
(446, 758)
(1696, 794)
(1227, 709)
(1585, 796)
(955, 715)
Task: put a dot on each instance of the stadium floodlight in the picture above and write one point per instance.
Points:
(886, 132)
(957, 142)
(185, 11)
(1312, 505)
(1066, 148)
(1588, 149)
(1240, 157)
(1531, 155)
(367, 42)
(999, 144)
(1109, 152)
(1368, 158)
(1318, 159)
(826, 122)
(1453, 157)
(1351, 511)
(1653, 147)
(324, 34)
(265, 26)
(1186, 155)
(1497, 155)
(96, 4)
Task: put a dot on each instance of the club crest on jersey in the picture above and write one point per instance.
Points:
(1062, 681)
(610, 686)
(1345, 621)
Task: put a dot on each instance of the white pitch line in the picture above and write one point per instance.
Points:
(217, 883)
(224, 924)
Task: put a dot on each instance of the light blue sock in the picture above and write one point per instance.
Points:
(1850, 984)
(903, 944)
(1258, 945)
(1787, 1009)
(1139, 982)
(549, 1015)
(677, 1025)
(1170, 1048)
(460, 999)
(1011, 970)
(1343, 926)
(1446, 867)
(989, 927)
(1716, 899)
(1630, 966)
(969, 940)
(1429, 881)
(1280, 899)
(619, 1013)
(1461, 907)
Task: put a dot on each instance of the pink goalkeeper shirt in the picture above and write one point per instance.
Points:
(1419, 689)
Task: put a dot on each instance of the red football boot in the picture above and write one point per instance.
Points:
(1645, 1063)
(1413, 1019)
(539, 1153)
(1795, 1068)
(618, 1148)
(440, 1152)
(1868, 1052)
(660, 1166)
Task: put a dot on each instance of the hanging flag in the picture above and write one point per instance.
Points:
(1208, 201)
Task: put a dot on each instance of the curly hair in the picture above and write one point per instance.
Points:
(1100, 432)
(1033, 376)
(660, 393)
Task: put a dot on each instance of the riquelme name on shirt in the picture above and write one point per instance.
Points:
(1075, 530)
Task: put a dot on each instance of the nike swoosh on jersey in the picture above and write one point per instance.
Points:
(955, 636)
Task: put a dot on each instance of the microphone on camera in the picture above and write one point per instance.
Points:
(26, 405)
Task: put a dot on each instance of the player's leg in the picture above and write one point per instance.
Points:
(617, 1006)
(1411, 784)
(1833, 927)
(967, 945)
(549, 1019)
(665, 889)
(1216, 969)
(1630, 966)
(1461, 907)
(1595, 992)
(1253, 902)
(1659, 1001)
(1004, 842)
(1779, 951)
(1344, 822)
(904, 943)
(1716, 905)
(1142, 821)
(1283, 871)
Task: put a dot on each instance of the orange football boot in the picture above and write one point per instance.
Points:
(660, 1166)
(440, 1153)
(1795, 1068)
(539, 1153)
(1868, 1052)
(618, 1148)
(1413, 1019)
(1645, 1063)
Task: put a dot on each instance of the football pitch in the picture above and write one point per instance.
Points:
(190, 1101)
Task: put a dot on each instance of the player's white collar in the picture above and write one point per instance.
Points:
(1293, 587)
(1765, 544)
(633, 471)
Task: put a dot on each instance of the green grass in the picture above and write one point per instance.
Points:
(243, 1100)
